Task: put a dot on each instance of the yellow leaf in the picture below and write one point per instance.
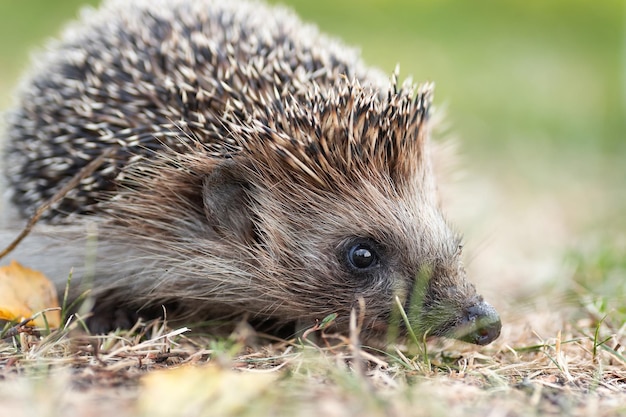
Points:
(24, 292)
(201, 391)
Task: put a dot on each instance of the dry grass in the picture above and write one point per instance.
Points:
(579, 370)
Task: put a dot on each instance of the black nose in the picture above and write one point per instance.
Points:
(481, 325)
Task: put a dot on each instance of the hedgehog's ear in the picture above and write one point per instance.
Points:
(226, 203)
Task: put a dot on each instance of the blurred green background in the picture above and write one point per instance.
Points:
(534, 90)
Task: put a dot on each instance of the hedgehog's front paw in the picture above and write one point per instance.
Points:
(106, 318)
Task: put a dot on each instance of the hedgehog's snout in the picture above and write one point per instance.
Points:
(480, 324)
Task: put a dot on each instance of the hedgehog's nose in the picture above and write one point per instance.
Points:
(481, 323)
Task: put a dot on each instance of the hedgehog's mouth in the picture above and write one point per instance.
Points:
(478, 324)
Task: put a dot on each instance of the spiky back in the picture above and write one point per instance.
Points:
(148, 77)
(345, 132)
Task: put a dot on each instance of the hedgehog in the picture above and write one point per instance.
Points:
(255, 169)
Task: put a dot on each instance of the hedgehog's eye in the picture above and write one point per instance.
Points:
(362, 256)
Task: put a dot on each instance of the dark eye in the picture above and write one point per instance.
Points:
(362, 256)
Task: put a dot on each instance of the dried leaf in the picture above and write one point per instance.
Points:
(25, 292)
(201, 391)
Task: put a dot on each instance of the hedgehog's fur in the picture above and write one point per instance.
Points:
(252, 154)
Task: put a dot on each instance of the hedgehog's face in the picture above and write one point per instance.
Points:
(328, 250)
(389, 250)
